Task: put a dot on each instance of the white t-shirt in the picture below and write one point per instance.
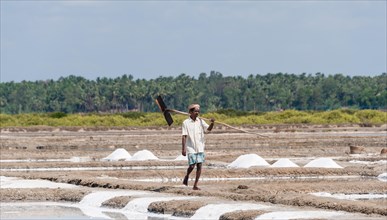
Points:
(195, 134)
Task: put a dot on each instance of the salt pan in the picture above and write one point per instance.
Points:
(248, 160)
(353, 196)
(142, 204)
(95, 199)
(383, 177)
(279, 215)
(369, 162)
(323, 163)
(80, 159)
(214, 211)
(13, 182)
(119, 154)
(284, 162)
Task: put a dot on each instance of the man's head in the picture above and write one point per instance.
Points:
(194, 110)
(193, 107)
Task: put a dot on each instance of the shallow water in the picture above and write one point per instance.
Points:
(40, 211)
(53, 210)
(89, 208)
(95, 199)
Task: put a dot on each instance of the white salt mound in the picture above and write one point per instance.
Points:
(181, 157)
(143, 155)
(323, 163)
(248, 160)
(383, 177)
(284, 162)
(119, 154)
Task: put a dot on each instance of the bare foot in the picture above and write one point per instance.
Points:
(185, 181)
(196, 188)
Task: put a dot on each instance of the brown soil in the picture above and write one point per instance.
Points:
(285, 186)
(176, 207)
(117, 202)
(242, 215)
(68, 195)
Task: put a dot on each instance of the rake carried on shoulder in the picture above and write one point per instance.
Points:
(168, 117)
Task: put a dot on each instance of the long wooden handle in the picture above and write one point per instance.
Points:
(185, 113)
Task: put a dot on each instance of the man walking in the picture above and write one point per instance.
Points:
(193, 142)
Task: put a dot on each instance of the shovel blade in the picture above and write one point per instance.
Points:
(161, 104)
(163, 108)
(168, 117)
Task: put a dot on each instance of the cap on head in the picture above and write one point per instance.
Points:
(193, 106)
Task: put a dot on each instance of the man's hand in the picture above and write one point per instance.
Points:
(183, 148)
(211, 125)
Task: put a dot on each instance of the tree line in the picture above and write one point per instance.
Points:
(270, 92)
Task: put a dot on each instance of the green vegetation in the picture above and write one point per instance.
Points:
(214, 92)
(362, 117)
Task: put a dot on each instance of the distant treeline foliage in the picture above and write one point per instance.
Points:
(256, 93)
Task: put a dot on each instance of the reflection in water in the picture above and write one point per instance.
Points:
(40, 211)
(52, 210)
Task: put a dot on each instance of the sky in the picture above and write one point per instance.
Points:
(42, 40)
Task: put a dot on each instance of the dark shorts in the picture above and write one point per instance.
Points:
(196, 158)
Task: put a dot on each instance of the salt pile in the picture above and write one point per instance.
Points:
(122, 154)
(143, 155)
(248, 160)
(284, 162)
(119, 154)
(383, 177)
(323, 163)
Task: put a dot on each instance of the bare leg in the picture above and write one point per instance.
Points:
(198, 173)
(189, 170)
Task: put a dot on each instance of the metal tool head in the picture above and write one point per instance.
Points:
(161, 103)
(163, 108)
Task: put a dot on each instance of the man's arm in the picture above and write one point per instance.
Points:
(183, 147)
